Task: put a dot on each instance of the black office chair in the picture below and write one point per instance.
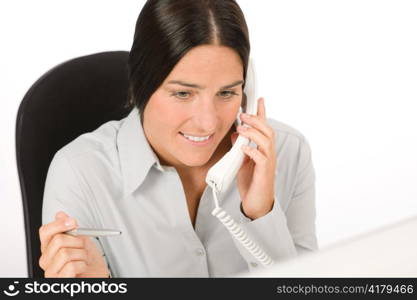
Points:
(74, 97)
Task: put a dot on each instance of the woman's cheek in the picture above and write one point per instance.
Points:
(164, 109)
(232, 114)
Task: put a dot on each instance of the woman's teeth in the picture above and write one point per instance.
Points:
(196, 138)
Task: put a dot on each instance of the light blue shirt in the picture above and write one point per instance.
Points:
(111, 178)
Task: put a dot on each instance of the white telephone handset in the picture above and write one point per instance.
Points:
(221, 175)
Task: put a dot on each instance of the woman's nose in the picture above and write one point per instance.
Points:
(205, 115)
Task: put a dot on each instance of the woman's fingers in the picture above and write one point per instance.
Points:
(259, 124)
(261, 108)
(264, 143)
(65, 255)
(259, 132)
(47, 231)
(59, 241)
(72, 268)
(256, 155)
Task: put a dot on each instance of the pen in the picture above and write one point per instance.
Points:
(93, 232)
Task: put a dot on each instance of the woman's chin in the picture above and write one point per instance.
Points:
(196, 162)
(195, 159)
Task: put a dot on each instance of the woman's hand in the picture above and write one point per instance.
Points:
(64, 255)
(256, 177)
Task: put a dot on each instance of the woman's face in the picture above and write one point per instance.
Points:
(188, 116)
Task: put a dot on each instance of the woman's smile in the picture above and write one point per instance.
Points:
(199, 141)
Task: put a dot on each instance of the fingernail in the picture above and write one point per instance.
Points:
(246, 115)
(69, 222)
(241, 128)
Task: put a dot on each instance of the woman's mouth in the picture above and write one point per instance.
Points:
(197, 140)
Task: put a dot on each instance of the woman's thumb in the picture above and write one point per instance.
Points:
(60, 215)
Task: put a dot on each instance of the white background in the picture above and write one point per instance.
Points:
(344, 73)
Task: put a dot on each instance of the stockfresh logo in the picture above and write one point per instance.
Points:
(11, 289)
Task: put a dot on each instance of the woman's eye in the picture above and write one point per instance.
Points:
(181, 94)
(227, 94)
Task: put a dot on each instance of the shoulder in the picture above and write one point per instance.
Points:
(82, 173)
(92, 151)
(101, 140)
(295, 171)
(287, 135)
(292, 148)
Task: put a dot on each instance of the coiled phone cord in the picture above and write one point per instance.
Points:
(239, 234)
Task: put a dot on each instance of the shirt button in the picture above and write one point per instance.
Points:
(253, 264)
(199, 252)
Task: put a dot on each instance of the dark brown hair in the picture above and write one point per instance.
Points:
(167, 29)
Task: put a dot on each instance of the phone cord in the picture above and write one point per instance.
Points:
(239, 234)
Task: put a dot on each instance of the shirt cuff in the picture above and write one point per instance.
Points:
(270, 232)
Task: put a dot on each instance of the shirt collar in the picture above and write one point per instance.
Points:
(136, 155)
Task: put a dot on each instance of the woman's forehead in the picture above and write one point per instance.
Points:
(208, 64)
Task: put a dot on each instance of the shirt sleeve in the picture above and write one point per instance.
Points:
(284, 235)
(66, 191)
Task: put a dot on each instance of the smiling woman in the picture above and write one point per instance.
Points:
(145, 175)
(176, 120)
(167, 30)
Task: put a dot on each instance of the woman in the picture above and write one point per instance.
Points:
(145, 175)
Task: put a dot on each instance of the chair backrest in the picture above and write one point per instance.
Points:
(73, 98)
